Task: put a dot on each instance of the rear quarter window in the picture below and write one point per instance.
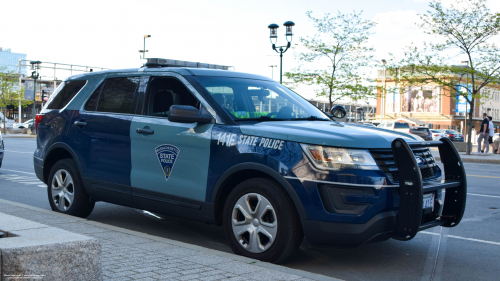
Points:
(401, 126)
(64, 94)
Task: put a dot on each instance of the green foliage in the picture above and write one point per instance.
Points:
(462, 31)
(340, 46)
(10, 91)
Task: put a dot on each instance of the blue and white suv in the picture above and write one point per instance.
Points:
(242, 151)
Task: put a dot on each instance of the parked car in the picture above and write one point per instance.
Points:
(241, 151)
(422, 132)
(437, 134)
(454, 135)
(28, 124)
(396, 126)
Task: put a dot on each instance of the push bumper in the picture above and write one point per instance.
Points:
(411, 216)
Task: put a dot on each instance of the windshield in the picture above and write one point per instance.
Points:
(246, 100)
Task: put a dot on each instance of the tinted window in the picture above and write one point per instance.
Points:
(401, 125)
(117, 94)
(92, 102)
(64, 93)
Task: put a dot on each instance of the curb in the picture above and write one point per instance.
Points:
(475, 160)
(250, 261)
(20, 136)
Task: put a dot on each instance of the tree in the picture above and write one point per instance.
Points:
(340, 47)
(10, 92)
(465, 30)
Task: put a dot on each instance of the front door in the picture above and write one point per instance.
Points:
(169, 160)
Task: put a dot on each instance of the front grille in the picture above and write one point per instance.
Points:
(385, 160)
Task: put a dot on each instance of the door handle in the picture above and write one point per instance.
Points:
(144, 131)
(80, 123)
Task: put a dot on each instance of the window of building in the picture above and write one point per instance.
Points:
(64, 94)
(117, 94)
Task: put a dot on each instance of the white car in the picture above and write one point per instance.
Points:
(437, 134)
(496, 136)
(26, 124)
(396, 126)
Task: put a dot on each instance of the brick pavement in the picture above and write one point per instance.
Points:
(130, 255)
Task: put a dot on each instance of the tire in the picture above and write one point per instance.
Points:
(261, 222)
(66, 192)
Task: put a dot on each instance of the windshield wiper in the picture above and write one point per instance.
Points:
(261, 118)
(310, 118)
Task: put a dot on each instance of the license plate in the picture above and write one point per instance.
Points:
(428, 201)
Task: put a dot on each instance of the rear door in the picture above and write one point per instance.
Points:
(169, 160)
(101, 138)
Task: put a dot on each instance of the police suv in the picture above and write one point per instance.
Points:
(239, 150)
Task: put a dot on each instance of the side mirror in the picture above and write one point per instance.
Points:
(187, 114)
(338, 111)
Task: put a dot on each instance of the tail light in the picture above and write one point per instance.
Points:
(38, 119)
(409, 131)
(436, 135)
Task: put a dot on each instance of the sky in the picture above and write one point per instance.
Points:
(109, 34)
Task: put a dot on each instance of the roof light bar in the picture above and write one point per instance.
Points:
(156, 62)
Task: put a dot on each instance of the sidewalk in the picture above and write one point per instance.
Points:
(489, 158)
(18, 136)
(131, 255)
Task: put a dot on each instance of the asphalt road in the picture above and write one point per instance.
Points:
(470, 251)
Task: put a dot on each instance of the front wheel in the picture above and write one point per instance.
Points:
(66, 191)
(260, 221)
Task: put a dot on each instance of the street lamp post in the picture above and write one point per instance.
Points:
(143, 51)
(272, 70)
(273, 28)
(35, 66)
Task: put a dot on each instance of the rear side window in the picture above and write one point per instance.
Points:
(64, 93)
(117, 94)
(401, 125)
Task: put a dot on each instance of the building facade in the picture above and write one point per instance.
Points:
(433, 106)
(10, 60)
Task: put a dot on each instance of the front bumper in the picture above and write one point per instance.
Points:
(378, 228)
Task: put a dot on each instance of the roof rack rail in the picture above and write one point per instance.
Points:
(157, 62)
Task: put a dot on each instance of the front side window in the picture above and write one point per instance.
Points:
(117, 94)
(165, 92)
(250, 100)
(64, 94)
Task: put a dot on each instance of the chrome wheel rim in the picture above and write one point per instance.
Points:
(63, 190)
(254, 223)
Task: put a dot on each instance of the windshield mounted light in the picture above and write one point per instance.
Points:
(336, 159)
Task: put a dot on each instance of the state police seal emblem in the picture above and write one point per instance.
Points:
(167, 154)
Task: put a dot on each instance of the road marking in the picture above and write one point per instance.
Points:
(464, 238)
(17, 171)
(493, 196)
(483, 176)
(18, 151)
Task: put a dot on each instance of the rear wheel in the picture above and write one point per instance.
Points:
(66, 191)
(260, 221)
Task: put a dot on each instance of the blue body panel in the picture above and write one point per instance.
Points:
(230, 147)
(103, 146)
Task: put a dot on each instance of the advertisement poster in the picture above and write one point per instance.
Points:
(392, 103)
(421, 99)
(461, 101)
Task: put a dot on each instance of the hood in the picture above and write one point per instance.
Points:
(326, 133)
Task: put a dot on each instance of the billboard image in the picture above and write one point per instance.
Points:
(420, 99)
(461, 101)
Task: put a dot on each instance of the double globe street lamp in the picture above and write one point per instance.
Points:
(273, 28)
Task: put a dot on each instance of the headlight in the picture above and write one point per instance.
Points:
(333, 158)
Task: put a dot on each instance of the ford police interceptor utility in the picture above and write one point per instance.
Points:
(242, 151)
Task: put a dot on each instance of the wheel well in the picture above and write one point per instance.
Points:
(228, 185)
(54, 156)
